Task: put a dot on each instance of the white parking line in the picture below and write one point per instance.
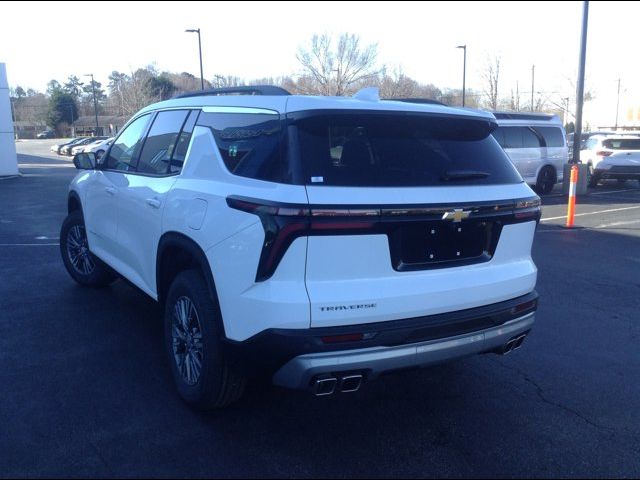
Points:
(617, 224)
(592, 213)
(27, 244)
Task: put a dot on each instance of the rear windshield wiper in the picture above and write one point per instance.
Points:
(464, 174)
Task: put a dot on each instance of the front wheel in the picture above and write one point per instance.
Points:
(546, 180)
(83, 266)
(193, 341)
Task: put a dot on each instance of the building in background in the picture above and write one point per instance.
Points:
(8, 157)
(108, 125)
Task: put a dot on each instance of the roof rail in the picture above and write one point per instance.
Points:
(242, 90)
(524, 116)
(416, 100)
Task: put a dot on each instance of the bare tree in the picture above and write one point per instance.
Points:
(335, 71)
(491, 75)
(514, 104)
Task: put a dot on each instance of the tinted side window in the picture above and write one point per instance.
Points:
(552, 136)
(160, 143)
(125, 149)
(180, 152)
(529, 138)
(512, 137)
(249, 144)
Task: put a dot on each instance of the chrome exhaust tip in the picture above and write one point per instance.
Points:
(350, 383)
(517, 343)
(324, 386)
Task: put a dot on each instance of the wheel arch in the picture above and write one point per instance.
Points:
(73, 202)
(177, 252)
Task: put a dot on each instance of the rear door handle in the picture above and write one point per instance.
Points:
(110, 190)
(153, 202)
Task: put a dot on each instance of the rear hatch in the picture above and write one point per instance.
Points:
(411, 214)
(624, 152)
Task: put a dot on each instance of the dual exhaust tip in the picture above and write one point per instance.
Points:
(327, 385)
(513, 344)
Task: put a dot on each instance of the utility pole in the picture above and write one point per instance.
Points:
(580, 90)
(566, 110)
(95, 103)
(617, 106)
(533, 70)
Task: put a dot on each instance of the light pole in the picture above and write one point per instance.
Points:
(580, 89)
(533, 70)
(95, 103)
(197, 30)
(617, 106)
(464, 70)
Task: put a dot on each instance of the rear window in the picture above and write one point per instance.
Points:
(622, 144)
(387, 150)
(553, 136)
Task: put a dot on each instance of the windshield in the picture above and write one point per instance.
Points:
(400, 149)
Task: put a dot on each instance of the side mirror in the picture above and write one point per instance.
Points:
(85, 161)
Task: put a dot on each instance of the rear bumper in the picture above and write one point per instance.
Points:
(621, 172)
(299, 372)
(293, 356)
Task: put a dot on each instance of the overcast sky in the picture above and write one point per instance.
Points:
(41, 41)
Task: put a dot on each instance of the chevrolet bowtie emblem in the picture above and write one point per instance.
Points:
(456, 215)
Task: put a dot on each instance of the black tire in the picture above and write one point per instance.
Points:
(593, 180)
(217, 384)
(546, 180)
(84, 267)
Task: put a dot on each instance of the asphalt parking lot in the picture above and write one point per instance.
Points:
(85, 390)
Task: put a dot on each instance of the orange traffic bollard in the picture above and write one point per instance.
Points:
(571, 207)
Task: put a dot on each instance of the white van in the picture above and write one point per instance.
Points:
(536, 144)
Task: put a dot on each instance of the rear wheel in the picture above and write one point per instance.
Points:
(193, 341)
(83, 266)
(546, 180)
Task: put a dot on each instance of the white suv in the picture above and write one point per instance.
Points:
(319, 240)
(612, 156)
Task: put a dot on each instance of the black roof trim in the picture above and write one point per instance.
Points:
(416, 100)
(243, 90)
(523, 116)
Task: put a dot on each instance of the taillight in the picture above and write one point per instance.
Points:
(528, 208)
(283, 224)
(603, 153)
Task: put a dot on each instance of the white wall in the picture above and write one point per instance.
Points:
(8, 159)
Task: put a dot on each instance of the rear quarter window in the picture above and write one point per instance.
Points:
(250, 144)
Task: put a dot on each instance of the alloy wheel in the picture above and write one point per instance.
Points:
(186, 333)
(78, 250)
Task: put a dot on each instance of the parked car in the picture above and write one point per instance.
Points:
(57, 147)
(320, 241)
(99, 147)
(46, 134)
(536, 145)
(610, 157)
(66, 150)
